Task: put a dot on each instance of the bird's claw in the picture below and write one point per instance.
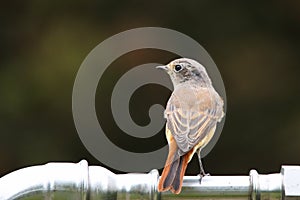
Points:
(202, 175)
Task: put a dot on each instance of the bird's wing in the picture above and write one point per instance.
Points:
(191, 115)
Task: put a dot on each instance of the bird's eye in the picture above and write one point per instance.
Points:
(177, 68)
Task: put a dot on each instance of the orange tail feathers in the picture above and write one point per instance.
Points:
(172, 175)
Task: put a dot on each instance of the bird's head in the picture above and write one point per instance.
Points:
(184, 70)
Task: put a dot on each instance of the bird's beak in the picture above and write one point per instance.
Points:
(164, 67)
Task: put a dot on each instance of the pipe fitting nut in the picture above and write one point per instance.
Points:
(291, 182)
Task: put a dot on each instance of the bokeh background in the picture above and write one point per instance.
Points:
(255, 44)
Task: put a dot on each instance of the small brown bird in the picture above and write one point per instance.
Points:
(192, 113)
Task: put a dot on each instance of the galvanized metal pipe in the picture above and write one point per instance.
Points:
(49, 181)
(83, 182)
(231, 187)
(213, 187)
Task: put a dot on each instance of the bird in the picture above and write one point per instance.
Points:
(192, 113)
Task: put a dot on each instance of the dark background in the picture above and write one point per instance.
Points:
(255, 44)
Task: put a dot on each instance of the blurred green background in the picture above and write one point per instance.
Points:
(255, 44)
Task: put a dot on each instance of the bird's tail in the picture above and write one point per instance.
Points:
(172, 175)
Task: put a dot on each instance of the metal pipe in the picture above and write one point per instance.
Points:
(49, 181)
(82, 182)
(213, 187)
(231, 187)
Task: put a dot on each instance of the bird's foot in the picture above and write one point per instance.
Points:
(201, 175)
